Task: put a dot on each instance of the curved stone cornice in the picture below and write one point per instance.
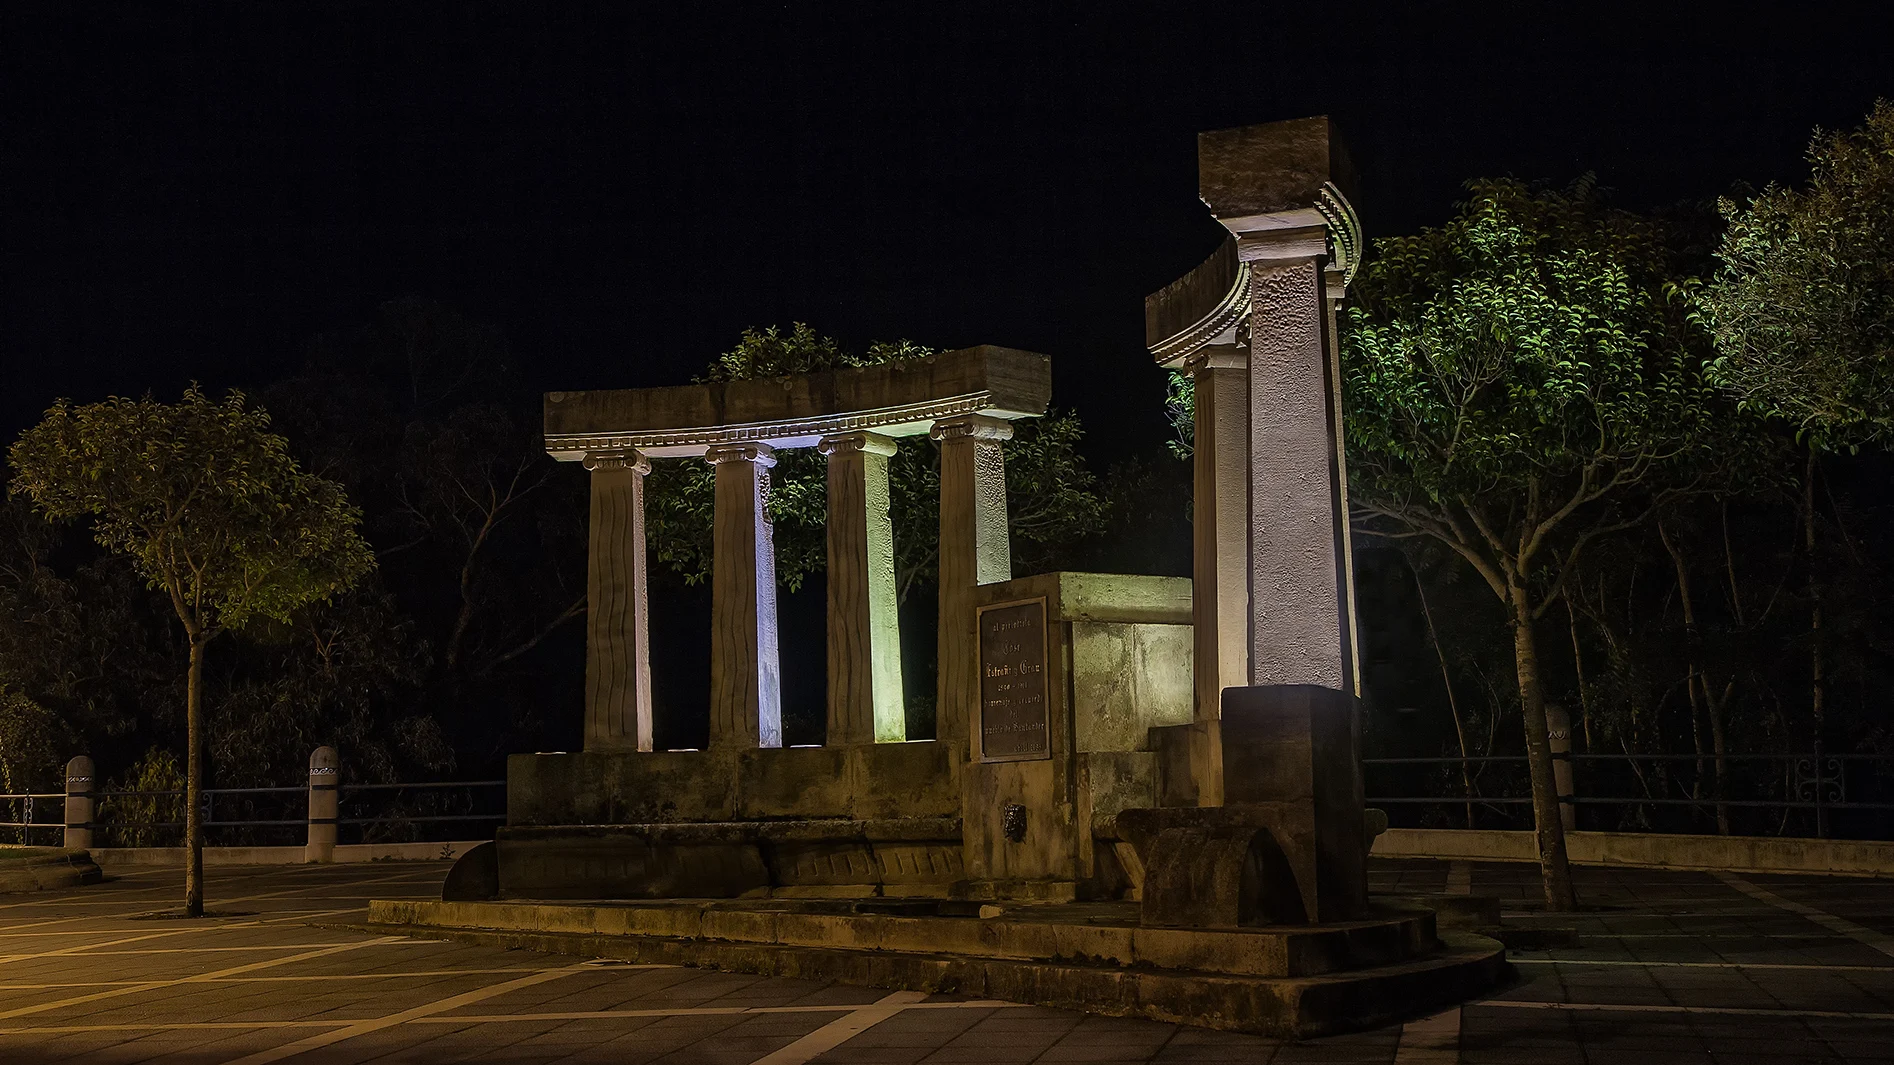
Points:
(903, 398)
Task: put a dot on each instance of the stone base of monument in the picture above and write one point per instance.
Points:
(1097, 957)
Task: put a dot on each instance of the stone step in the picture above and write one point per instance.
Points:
(1460, 967)
(45, 868)
(1104, 933)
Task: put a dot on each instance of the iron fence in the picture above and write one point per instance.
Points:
(371, 813)
(1820, 794)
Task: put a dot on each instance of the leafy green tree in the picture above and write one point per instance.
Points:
(1053, 499)
(1803, 307)
(211, 509)
(1520, 385)
(1803, 315)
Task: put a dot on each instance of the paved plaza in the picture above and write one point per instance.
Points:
(1664, 967)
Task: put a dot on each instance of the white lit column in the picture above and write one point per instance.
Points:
(617, 618)
(745, 680)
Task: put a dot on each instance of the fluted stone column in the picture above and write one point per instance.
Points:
(617, 620)
(745, 680)
(973, 551)
(865, 696)
(1300, 629)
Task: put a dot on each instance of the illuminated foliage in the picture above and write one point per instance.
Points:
(1520, 383)
(1803, 307)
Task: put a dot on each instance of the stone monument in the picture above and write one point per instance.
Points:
(1144, 795)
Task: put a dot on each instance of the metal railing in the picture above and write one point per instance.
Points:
(372, 812)
(1817, 784)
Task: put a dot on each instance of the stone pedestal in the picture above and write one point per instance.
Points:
(864, 630)
(1296, 747)
(617, 619)
(745, 679)
(973, 551)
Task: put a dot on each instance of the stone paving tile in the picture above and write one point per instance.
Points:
(1638, 916)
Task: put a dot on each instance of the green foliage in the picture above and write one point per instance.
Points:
(1180, 404)
(158, 786)
(203, 498)
(1054, 500)
(32, 739)
(1520, 382)
(1803, 307)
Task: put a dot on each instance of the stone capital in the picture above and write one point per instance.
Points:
(625, 459)
(761, 454)
(852, 443)
(1298, 241)
(1218, 357)
(972, 426)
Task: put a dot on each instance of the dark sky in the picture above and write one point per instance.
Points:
(190, 190)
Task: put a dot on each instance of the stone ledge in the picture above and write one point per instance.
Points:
(1101, 933)
(45, 869)
(1650, 850)
(1299, 1007)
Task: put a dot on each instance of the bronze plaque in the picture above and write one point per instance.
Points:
(1013, 711)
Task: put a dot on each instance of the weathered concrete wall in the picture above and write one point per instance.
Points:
(1127, 679)
(1652, 850)
(608, 787)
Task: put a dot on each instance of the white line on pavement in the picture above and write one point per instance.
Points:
(1430, 1041)
(1459, 878)
(323, 1039)
(841, 1029)
(1732, 1011)
(151, 985)
(1880, 941)
(378, 975)
(1706, 964)
(489, 1018)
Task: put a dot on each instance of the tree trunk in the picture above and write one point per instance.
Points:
(1554, 869)
(1817, 696)
(1693, 680)
(1453, 704)
(194, 782)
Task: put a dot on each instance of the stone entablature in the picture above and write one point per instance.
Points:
(893, 399)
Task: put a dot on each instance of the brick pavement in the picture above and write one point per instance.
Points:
(1666, 967)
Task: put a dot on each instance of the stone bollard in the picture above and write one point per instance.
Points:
(1559, 727)
(323, 796)
(79, 803)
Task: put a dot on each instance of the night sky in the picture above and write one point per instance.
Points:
(192, 190)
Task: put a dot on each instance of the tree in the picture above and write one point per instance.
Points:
(1803, 316)
(1520, 384)
(1803, 307)
(212, 511)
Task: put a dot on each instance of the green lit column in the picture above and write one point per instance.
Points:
(864, 630)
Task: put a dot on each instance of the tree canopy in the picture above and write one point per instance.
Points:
(1803, 306)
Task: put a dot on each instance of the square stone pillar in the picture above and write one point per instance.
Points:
(617, 617)
(865, 696)
(745, 679)
(973, 551)
(1220, 601)
(1301, 629)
